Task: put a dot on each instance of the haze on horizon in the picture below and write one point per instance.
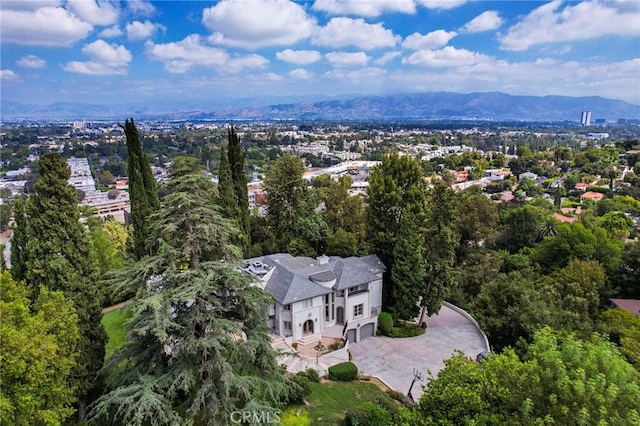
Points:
(99, 51)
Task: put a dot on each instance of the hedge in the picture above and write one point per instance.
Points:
(344, 372)
(385, 323)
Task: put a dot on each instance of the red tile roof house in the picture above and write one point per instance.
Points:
(581, 186)
(591, 195)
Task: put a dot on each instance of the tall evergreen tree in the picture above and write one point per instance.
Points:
(198, 336)
(226, 188)
(58, 255)
(408, 272)
(288, 197)
(237, 164)
(442, 241)
(395, 186)
(18, 242)
(143, 193)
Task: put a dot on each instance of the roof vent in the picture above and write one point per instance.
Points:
(323, 260)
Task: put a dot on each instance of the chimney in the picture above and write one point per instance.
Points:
(323, 260)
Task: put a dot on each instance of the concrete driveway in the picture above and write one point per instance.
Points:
(393, 360)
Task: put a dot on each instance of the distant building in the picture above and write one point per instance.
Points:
(585, 119)
(591, 195)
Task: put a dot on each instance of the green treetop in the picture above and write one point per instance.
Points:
(38, 350)
(143, 194)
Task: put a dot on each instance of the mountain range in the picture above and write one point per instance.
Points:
(491, 106)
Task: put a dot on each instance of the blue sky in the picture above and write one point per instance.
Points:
(145, 51)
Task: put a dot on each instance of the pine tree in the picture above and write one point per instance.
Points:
(143, 193)
(58, 255)
(198, 336)
(237, 164)
(18, 242)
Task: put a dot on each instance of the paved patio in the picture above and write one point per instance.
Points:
(393, 360)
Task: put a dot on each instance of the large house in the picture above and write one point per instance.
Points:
(327, 296)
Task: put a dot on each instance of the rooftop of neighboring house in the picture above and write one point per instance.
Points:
(292, 279)
(631, 305)
(591, 195)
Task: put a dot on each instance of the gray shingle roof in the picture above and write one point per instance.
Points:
(290, 281)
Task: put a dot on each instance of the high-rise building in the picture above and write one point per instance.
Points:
(585, 119)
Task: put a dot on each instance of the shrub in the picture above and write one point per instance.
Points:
(398, 396)
(299, 388)
(345, 371)
(313, 375)
(368, 415)
(385, 323)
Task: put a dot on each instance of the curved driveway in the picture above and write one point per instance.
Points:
(393, 360)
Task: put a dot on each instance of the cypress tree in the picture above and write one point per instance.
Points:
(18, 242)
(237, 164)
(58, 255)
(226, 189)
(143, 193)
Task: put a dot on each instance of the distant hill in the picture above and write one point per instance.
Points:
(492, 106)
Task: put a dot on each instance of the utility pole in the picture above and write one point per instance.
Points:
(417, 375)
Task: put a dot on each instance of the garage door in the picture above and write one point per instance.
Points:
(366, 331)
(351, 336)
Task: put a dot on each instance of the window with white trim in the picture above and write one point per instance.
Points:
(307, 303)
(358, 310)
(287, 325)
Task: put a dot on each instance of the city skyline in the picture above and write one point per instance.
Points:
(139, 51)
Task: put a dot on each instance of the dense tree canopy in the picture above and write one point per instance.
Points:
(198, 339)
(39, 340)
(288, 196)
(560, 380)
(237, 157)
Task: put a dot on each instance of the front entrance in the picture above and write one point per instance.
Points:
(307, 328)
(340, 315)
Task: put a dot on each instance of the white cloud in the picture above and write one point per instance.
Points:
(432, 40)
(341, 32)
(103, 12)
(255, 24)
(137, 30)
(345, 59)
(31, 5)
(301, 57)
(365, 7)
(47, 26)
(104, 59)
(367, 76)
(181, 56)
(441, 4)
(140, 7)
(582, 21)
(489, 20)
(252, 61)
(386, 58)
(110, 32)
(31, 61)
(446, 57)
(301, 74)
(9, 75)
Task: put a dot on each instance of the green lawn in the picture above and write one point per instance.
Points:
(115, 323)
(329, 401)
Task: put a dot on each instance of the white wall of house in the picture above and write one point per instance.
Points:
(304, 311)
